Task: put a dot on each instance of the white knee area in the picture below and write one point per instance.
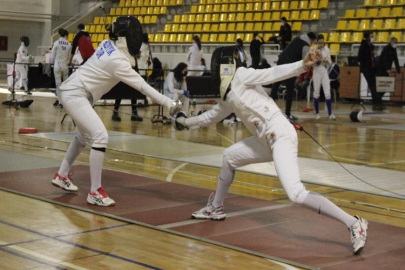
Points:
(100, 139)
(226, 160)
(316, 95)
(327, 95)
(298, 195)
(83, 140)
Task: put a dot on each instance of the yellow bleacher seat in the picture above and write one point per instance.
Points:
(113, 11)
(223, 17)
(169, 27)
(382, 37)
(184, 18)
(221, 38)
(199, 17)
(401, 24)
(146, 20)
(314, 15)
(397, 12)
(118, 11)
(71, 37)
(240, 7)
(334, 37)
(137, 11)
(385, 12)
(353, 25)
(257, 7)
(140, 19)
(266, 16)
(96, 20)
(180, 38)
(215, 17)
(231, 27)
(100, 38)
(204, 38)
(158, 38)
(207, 18)
(156, 10)
(368, 3)
(172, 38)
(230, 38)
(248, 38)
(149, 10)
(193, 9)
(109, 20)
(232, 7)
(122, 3)
(206, 27)
(248, 7)
(344, 37)
(275, 16)
(249, 26)
(275, 5)
(267, 26)
(153, 2)
(177, 18)
(224, 8)
(258, 27)
(303, 4)
(163, 10)
(94, 37)
(357, 37)
(198, 27)
(323, 4)
(240, 17)
(239, 35)
(208, 9)
(179, 2)
(334, 49)
(159, 2)
(361, 13)
(285, 14)
(364, 25)
(102, 20)
(114, 18)
(175, 27)
(379, 3)
(372, 13)
(304, 15)
(143, 12)
(257, 16)
(295, 15)
(216, 8)
(397, 35)
(182, 27)
(350, 13)
(276, 26)
(249, 17)
(188, 37)
(98, 29)
(266, 6)
(389, 24)
(214, 28)
(190, 27)
(294, 5)
(165, 3)
(313, 4)
(165, 38)
(201, 9)
(297, 26)
(139, 3)
(131, 11)
(202, 2)
(213, 38)
(240, 27)
(191, 18)
(284, 5)
(124, 11)
(231, 17)
(87, 28)
(151, 37)
(391, 2)
(222, 27)
(128, 3)
(377, 24)
(153, 19)
(325, 36)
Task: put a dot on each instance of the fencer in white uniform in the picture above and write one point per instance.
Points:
(61, 56)
(22, 57)
(175, 86)
(274, 139)
(320, 78)
(144, 56)
(194, 57)
(112, 62)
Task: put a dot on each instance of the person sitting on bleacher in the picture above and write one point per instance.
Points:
(175, 85)
(284, 34)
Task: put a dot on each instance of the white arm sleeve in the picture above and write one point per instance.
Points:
(123, 72)
(211, 117)
(170, 84)
(253, 77)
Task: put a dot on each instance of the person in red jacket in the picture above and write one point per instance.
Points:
(83, 41)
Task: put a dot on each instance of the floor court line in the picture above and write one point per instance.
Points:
(82, 247)
(173, 172)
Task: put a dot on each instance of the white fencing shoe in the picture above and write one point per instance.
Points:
(332, 117)
(358, 233)
(317, 116)
(210, 212)
(100, 198)
(64, 182)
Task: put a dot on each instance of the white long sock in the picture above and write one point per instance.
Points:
(323, 206)
(96, 168)
(74, 150)
(224, 183)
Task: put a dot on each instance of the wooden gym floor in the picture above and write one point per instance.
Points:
(40, 235)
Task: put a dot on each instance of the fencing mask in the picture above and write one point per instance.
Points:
(356, 116)
(130, 28)
(224, 62)
(26, 40)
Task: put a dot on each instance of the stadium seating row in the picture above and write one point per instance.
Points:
(379, 3)
(375, 25)
(146, 3)
(374, 13)
(137, 11)
(356, 37)
(230, 27)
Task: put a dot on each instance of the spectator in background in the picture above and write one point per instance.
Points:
(145, 59)
(157, 70)
(175, 85)
(302, 84)
(242, 53)
(263, 65)
(334, 74)
(83, 41)
(284, 35)
(48, 56)
(385, 61)
(255, 51)
(202, 67)
(194, 57)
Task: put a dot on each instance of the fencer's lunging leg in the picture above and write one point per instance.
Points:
(96, 167)
(74, 150)
(224, 182)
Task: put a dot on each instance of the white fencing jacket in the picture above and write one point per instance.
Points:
(322, 69)
(194, 56)
(247, 99)
(105, 68)
(22, 56)
(61, 51)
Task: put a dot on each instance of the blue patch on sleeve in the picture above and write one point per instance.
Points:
(99, 52)
(108, 47)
